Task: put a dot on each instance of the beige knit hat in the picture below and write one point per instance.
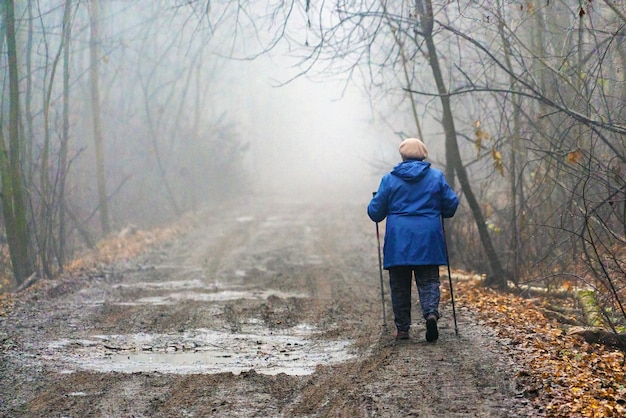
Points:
(413, 149)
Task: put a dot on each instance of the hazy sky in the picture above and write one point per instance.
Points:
(304, 135)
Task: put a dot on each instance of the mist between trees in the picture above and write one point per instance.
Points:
(113, 112)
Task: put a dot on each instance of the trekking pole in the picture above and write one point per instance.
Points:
(443, 228)
(380, 269)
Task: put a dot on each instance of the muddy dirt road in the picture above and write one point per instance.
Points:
(259, 310)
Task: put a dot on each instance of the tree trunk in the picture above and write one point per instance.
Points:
(27, 156)
(453, 155)
(515, 149)
(12, 176)
(97, 126)
(600, 336)
(65, 134)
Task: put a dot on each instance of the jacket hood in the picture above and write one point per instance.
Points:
(411, 170)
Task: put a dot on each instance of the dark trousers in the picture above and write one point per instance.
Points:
(427, 281)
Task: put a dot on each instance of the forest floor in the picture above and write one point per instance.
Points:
(274, 309)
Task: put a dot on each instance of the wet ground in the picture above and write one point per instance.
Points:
(258, 310)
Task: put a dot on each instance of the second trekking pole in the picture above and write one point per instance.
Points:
(443, 229)
(380, 269)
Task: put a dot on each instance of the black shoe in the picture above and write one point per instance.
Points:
(432, 333)
(402, 335)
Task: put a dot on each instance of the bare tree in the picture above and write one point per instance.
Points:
(94, 40)
(61, 244)
(568, 111)
(498, 278)
(13, 202)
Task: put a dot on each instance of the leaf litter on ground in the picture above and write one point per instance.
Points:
(563, 375)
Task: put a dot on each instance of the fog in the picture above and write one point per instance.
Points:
(231, 116)
(306, 137)
(194, 111)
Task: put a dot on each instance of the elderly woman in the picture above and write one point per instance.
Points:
(414, 197)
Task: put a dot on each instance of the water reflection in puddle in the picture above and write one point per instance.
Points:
(169, 285)
(204, 351)
(245, 219)
(194, 290)
(222, 296)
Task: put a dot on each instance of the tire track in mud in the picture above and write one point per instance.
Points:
(353, 276)
(200, 257)
(353, 305)
(457, 376)
(217, 239)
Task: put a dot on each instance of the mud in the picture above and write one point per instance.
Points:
(258, 310)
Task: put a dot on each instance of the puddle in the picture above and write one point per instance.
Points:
(170, 285)
(234, 295)
(203, 351)
(273, 222)
(314, 259)
(223, 296)
(194, 290)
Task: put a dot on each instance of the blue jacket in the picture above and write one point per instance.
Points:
(413, 197)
